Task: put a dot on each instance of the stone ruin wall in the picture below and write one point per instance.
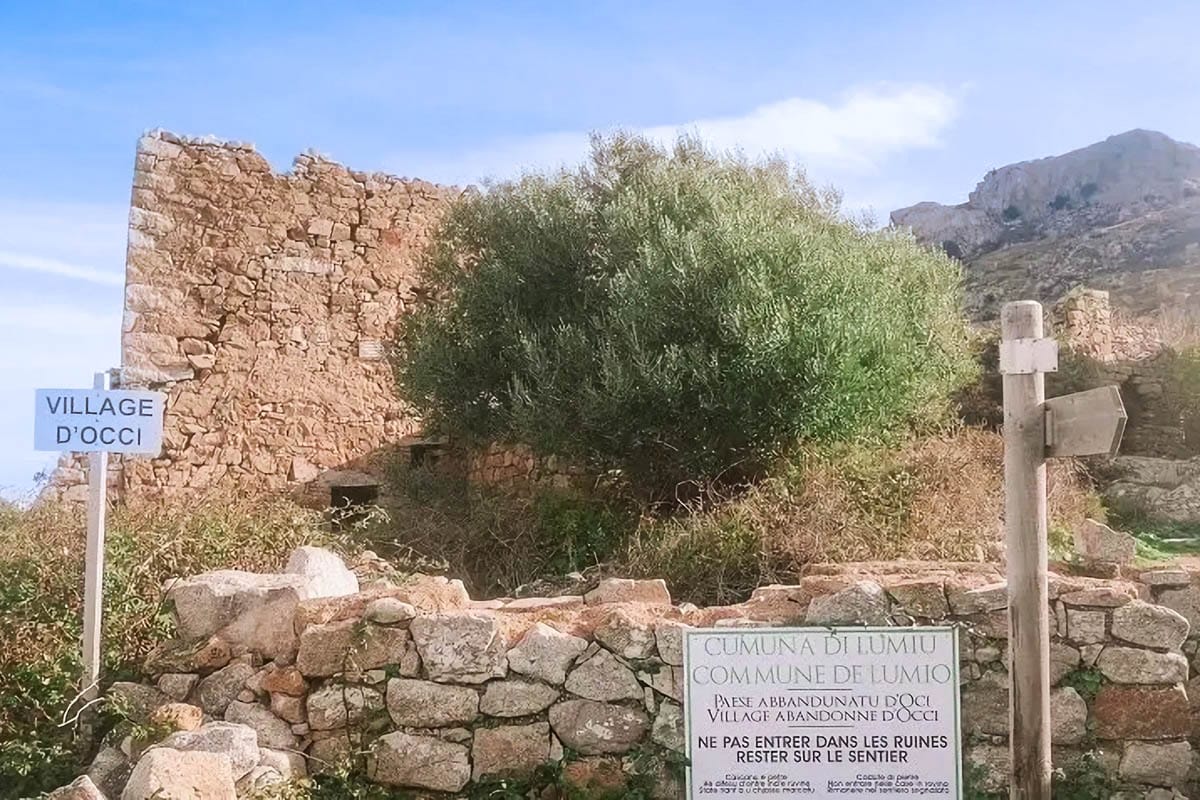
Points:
(263, 304)
(429, 690)
(1131, 353)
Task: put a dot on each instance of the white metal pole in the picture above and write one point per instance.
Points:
(1025, 533)
(93, 571)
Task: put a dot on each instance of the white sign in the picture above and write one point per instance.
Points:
(822, 713)
(94, 420)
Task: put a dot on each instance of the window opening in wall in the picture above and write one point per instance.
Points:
(350, 505)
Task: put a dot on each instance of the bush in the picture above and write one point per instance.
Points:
(1181, 393)
(1011, 214)
(676, 314)
(41, 597)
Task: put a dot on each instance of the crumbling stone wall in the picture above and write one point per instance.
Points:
(262, 304)
(441, 692)
(1131, 354)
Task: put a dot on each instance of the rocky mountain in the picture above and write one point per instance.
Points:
(1121, 215)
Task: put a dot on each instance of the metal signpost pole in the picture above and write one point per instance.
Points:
(93, 573)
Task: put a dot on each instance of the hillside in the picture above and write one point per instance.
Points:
(1121, 215)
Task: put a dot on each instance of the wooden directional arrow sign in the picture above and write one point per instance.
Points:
(1085, 423)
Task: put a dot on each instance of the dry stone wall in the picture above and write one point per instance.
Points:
(262, 304)
(427, 690)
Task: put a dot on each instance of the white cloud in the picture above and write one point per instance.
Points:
(852, 136)
(52, 266)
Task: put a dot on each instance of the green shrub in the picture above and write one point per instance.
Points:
(1011, 214)
(1181, 393)
(676, 314)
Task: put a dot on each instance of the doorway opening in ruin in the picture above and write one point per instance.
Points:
(350, 505)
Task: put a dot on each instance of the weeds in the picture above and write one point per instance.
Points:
(41, 558)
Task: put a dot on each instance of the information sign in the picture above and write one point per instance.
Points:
(823, 712)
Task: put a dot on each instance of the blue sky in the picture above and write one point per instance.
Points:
(892, 102)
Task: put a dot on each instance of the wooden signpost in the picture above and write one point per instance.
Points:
(96, 421)
(1085, 423)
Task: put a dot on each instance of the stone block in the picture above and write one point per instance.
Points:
(460, 647)
(1149, 625)
(424, 704)
(863, 603)
(1133, 665)
(180, 775)
(246, 609)
(238, 744)
(350, 646)
(1156, 764)
(626, 634)
(1142, 712)
(338, 705)
(1086, 627)
(419, 762)
(516, 698)
(594, 728)
(545, 654)
(326, 572)
(215, 692)
(510, 751)
(272, 731)
(624, 590)
(1068, 716)
(1095, 542)
(977, 600)
(921, 598)
(669, 637)
(604, 677)
(667, 730)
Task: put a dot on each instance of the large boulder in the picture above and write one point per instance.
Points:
(327, 573)
(181, 775)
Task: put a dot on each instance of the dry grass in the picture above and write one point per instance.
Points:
(933, 497)
(937, 497)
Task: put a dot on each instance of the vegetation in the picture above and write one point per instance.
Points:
(41, 559)
(937, 496)
(1182, 392)
(1011, 214)
(679, 315)
(1060, 202)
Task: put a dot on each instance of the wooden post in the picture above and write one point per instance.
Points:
(1025, 533)
(93, 570)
